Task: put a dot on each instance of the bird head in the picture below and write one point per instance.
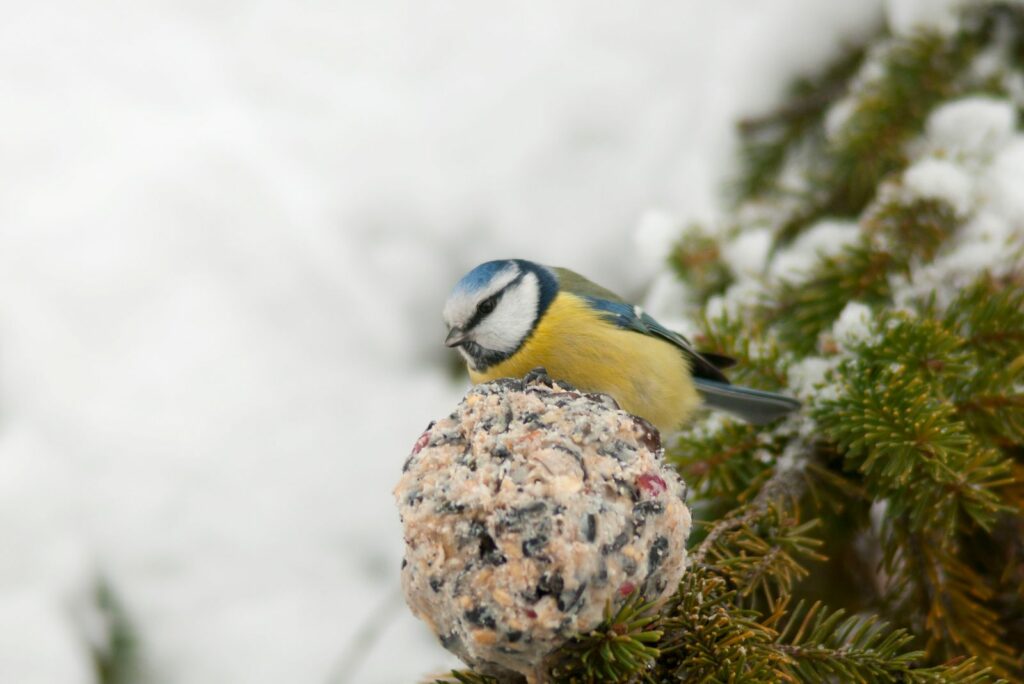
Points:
(493, 309)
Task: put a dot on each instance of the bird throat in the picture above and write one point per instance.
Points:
(480, 359)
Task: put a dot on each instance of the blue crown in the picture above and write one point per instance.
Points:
(478, 278)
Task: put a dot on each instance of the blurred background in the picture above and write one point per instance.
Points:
(226, 233)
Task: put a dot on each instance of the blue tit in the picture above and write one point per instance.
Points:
(511, 316)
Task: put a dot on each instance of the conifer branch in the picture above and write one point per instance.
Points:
(909, 458)
(618, 649)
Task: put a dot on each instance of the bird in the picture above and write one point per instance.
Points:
(509, 317)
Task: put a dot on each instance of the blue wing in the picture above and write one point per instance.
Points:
(753, 406)
(630, 317)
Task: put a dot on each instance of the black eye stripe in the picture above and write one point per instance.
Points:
(482, 311)
(484, 308)
(487, 306)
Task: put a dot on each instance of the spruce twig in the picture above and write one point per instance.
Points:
(910, 455)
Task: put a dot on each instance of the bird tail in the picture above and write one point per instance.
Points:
(753, 406)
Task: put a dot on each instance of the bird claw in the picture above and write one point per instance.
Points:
(538, 376)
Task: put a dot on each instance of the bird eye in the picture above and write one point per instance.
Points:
(487, 306)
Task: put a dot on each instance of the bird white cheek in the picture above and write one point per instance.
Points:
(513, 319)
(502, 335)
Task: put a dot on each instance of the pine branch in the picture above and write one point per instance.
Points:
(906, 439)
(709, 638)
(779, 494)
(929, 580)
(760, 360)
(897, 232)
(620, 647)
(725, 465)
(907, 467)
(696, 259)
(801, 311)
(887, 111)
(768, 140)
(824, 646)
(117, 661)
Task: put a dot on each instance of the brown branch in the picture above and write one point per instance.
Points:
(801, 106)
(783, 484)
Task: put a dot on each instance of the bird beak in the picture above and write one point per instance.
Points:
(456, 336)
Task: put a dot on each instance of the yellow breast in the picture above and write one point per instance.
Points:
(648, 376)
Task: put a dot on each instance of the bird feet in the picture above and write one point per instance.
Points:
(538, 376)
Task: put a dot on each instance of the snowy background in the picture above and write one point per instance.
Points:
(226, 231)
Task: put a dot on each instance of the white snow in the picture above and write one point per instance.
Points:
(226, 230)
(854, 325)
(738, 297)
(668, 300)
(870, 72)
(987, 243)
(49, 618)
(824, 239)
(940, 179)
(963, 138)
(38, 645)
(838, 115)
(793, 456)
(971, 128)
(973, 158)
(1003, 185)
(747, 253)
(910, 16)
(656, 234)
(713, 424)
(808, 375)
